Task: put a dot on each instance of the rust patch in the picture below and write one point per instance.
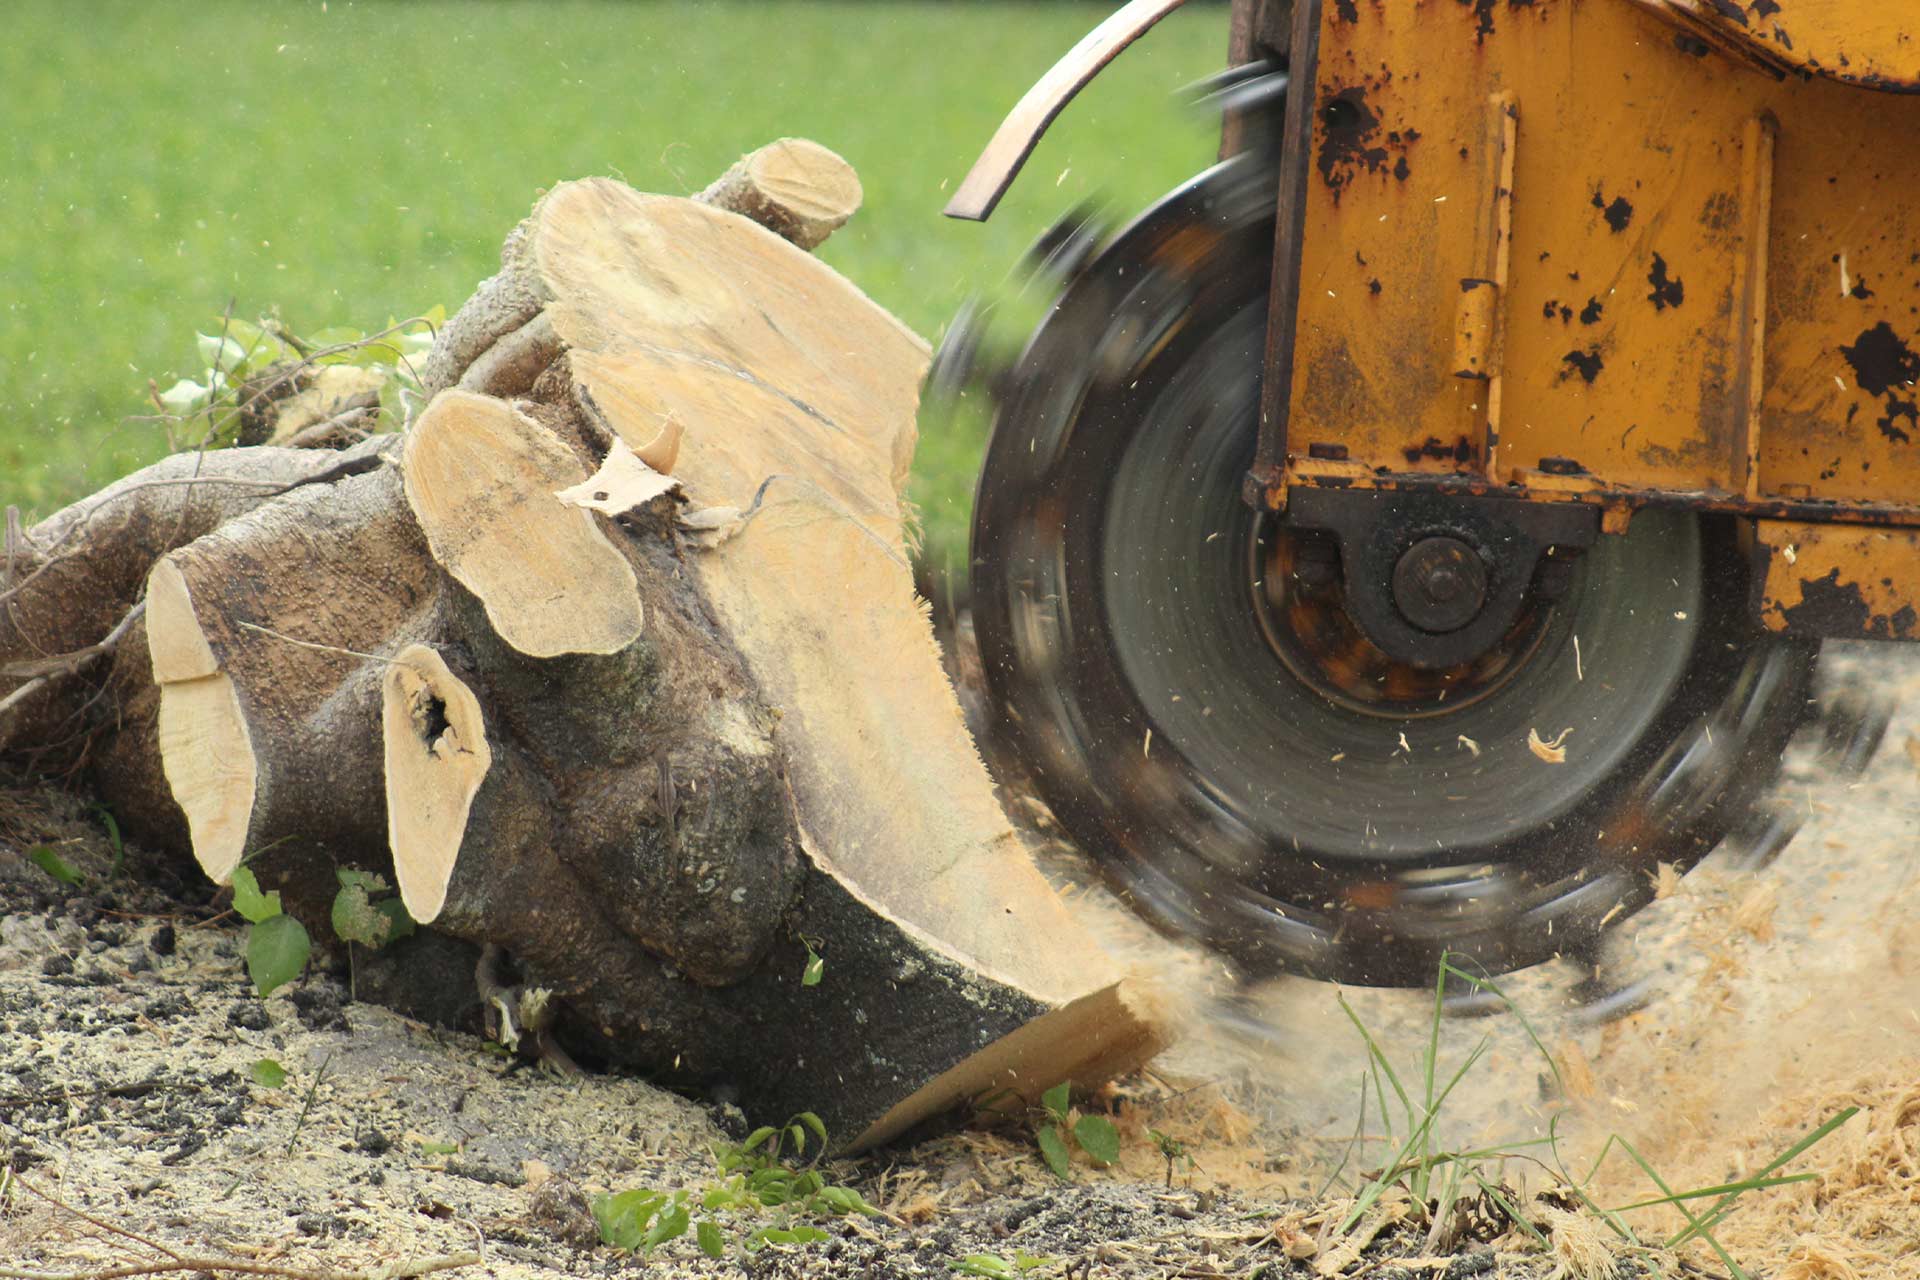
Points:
(1483, 11)
(1668, 291)
(1348, 144)
(1585, 363)
(1830, 607)
(1885, 366)
(1618, 212)
(1433, 449)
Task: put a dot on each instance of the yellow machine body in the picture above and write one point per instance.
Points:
(1621, 252)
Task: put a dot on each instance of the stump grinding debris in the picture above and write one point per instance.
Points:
(128, 1036)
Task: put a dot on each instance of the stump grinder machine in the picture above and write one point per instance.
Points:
(1419, 526)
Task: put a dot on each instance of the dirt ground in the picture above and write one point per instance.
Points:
(129, 1035)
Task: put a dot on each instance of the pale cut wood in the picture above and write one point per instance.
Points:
(797, 399)
(797, 189)
(204, 745)
(623, 483)
(270, 681)
(208, 757)
(481, 478)
(436, 755)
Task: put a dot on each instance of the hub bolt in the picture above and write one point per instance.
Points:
(1440, 584)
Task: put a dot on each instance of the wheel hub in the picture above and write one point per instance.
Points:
(1440, 584)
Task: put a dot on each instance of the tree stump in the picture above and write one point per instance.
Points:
(611, 662)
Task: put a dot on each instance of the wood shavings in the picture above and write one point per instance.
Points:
(623, 483)
(1754, 913)
(1553, 752)
(1469, 744)
(1666, 881)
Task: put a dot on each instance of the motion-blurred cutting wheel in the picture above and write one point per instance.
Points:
(1180, 676)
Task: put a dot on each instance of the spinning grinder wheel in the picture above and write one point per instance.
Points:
(1186, 683)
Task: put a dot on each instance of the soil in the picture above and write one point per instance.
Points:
(129, 1038)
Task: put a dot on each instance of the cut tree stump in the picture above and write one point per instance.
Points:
(611, 663)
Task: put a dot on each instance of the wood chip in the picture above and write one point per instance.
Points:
(1554, 752)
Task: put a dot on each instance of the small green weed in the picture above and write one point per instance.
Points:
(277, 944)
(268, 1074)
(816, 966)
(44, 857)
(1173, 1151)
(1094, 1135)
(994, 1267)
(246, 365)
(1438, 1182)
(755, 1186)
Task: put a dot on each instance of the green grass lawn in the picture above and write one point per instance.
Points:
(347, 162)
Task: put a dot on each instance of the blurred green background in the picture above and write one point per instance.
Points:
(348, 162)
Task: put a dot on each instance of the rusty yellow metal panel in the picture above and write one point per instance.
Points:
(1842, 580)
(1870, 43)
(1709, 276)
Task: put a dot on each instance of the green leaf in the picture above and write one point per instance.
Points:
(438, 1148)
(1055, 1099)
(372, 881)
(113, 838)
(622, 1219)
(1053, 1149)
(712, 1243)
(1029, 1261)
(277, 950)
(670, 1225)
(268, 1074)
(815, 1123)
(43, 857)
(990, 1265)
(816, 968)
(759, 1136)
(1098, 1138)
(399, 923)
(355, 920)
(253, 905)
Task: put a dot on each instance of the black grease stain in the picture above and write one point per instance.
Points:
(1693, 46)
(1554, 310)
(1830, 607)
(1667, 291)
(1373, 287)
(1860, 289)
(1586, 363)
(1436, 450)
(1884, 365)
(1763, 8)
(1590, 314)
(1618, 212)
(1729, 10)
(1347, 10)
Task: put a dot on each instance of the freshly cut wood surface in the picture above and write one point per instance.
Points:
(436, 754)
(797, 395)
(482, 478)
(795, 188)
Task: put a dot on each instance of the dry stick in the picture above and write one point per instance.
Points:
(388, 1271)
(84, 1216)
(182, 1262)
(39, 672)
(141, 1090)
(278, 486)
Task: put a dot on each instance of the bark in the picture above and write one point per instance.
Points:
(614, 665)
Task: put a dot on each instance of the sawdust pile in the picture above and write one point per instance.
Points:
(1860, 1216)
